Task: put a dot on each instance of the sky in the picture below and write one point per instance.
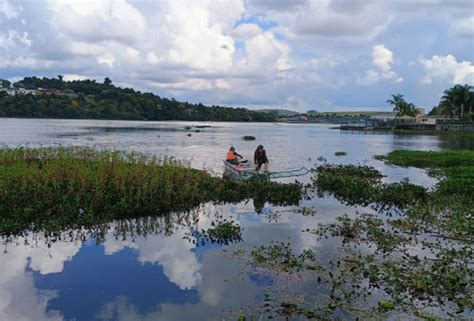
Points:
(325, 55)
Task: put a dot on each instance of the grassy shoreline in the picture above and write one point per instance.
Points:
(56, 188)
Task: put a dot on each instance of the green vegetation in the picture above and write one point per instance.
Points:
(248, 137)
(457, 101)
(447, 160)
(223, 232)
(279, 112)
(401, 107)
(87, 99)
(66, 187)
(340, 153)
(280, 256)
(360, 185)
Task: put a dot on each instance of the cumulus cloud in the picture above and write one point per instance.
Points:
(382, 59)
(96, 21)
(264, 55)
(19, 299)
(447, 69)
(173, 252)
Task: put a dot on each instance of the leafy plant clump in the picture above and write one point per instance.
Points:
(248, 137)
(280, 256)
(223, 231)
(361, 185)
(340, 153)
(54, 188)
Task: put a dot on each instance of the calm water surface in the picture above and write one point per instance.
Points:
(149, 268)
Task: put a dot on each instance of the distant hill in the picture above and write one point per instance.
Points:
(88, 99)
(279, 112)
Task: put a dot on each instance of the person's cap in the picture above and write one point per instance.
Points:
(232, 148)
(260, 147)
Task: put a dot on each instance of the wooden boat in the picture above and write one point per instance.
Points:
(246, 171)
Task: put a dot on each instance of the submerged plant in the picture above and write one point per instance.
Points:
(281, 257)
(223, 231)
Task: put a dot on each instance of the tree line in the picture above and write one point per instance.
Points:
(88, 99)
(456, 102)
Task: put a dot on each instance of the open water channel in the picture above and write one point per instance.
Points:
(150, 269)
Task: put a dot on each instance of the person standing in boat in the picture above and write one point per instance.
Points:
(233, 156)
(260, 158)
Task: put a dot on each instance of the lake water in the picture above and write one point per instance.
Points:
(148, 269)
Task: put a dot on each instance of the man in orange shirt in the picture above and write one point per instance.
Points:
(232, 156)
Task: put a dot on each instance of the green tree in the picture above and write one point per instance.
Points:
(398, 103)
(409, 109)
(456, 99)
(107, 81)
(5, 83)
(60, 77)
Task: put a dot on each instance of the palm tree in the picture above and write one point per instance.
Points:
(398, 104)
(409, 109)
(457, 98)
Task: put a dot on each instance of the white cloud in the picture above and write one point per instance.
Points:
(370, 77)
(98, 20)
(463, 27)
(246, 30)
(329, 61)
(350, 20)
(72, 77)
(7, 10)
(188, 84)
(382, 59)
(107, 59)
(173, 252)
(265, 56)
(19, 299)
(222, 84)
(447, 69)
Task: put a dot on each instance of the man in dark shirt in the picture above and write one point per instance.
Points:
(260, 158)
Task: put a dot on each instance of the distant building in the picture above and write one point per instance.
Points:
(433, 119)
(49, 92)
(9, 91)
(24, 91)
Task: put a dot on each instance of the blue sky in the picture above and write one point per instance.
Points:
(326, 55)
